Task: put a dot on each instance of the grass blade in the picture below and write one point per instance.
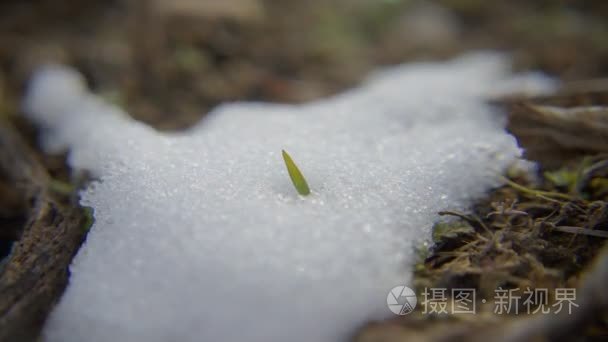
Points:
(296, 176)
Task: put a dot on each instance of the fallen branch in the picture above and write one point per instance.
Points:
(34, 275)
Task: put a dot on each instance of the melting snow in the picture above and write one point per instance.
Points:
(200, 235)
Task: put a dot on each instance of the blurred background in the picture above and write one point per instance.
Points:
(169, 62)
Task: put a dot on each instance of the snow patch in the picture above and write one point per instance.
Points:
(200, 235)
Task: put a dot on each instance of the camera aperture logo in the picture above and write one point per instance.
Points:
(401, 300)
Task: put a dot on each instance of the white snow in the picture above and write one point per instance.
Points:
(200, 236)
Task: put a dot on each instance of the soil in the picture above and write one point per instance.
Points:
(168, 63)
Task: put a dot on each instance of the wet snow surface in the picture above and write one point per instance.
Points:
(200, 236)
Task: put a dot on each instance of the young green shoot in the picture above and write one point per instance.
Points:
(296, 176)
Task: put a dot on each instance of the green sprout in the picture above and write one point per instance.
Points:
(296, 176)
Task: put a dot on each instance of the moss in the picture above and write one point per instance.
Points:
(61, 187)
(89, 218)
(524, 234)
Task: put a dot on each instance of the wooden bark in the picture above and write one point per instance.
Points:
(34, 275)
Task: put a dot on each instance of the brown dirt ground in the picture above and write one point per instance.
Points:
(168, 63)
